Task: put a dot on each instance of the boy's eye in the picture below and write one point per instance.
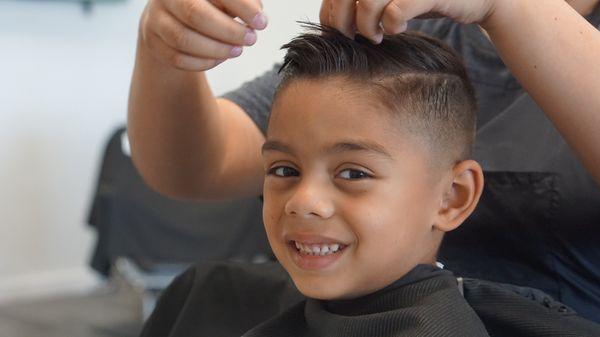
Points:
(351, 174)
(283, 171)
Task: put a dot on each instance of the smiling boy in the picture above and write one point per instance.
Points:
(367, 166)
(367, 160)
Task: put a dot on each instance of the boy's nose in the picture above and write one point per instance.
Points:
(309, 201)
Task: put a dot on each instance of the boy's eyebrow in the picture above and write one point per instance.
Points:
(359, 145)
(348, 145)
(273, 145)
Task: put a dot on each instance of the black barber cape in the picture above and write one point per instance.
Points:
(425, 302)
(233, 299)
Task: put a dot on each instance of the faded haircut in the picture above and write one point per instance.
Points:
(415, 77)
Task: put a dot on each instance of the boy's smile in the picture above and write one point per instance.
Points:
(350, 197)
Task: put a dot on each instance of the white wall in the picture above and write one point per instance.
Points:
(64, 78)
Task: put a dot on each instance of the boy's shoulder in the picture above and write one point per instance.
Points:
(221, 299)
(509, 310)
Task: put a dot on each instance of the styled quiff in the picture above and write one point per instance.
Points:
(417, 78)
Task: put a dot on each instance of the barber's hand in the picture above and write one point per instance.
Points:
(197, 35)
(373, 18)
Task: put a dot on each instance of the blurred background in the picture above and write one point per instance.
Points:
(73, 260)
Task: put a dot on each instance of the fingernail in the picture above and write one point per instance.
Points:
(260, 21)
(235, 51)
(377, 38)
(250, 38)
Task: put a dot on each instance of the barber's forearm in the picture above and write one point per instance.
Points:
(173, 127)
(553, 51)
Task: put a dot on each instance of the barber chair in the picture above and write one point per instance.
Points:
(145, 239)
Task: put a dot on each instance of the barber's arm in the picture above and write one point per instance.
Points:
(549, 47)
(554, 54)
(186, 143)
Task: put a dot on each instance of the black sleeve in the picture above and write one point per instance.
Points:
(255, 96)
(169, 306)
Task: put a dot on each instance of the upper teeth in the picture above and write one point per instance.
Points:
(318, 249)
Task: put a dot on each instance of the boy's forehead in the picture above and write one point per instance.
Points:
(347, 102)
(330, 117)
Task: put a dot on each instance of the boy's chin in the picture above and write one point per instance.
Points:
(325, 294)
(327, 291)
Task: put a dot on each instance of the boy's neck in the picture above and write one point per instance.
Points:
(368, 302)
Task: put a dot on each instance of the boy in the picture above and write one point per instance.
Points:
(367, 161)
(367, 166)
(366, 154)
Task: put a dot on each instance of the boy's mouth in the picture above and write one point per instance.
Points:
(312, 249)
(315, 256)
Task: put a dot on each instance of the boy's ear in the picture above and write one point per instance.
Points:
(460, 199)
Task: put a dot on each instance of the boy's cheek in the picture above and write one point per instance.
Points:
(273, 209)
(275, 185)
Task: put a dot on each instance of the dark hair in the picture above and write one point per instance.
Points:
(418, 78)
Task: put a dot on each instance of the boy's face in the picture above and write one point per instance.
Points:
(346, 183)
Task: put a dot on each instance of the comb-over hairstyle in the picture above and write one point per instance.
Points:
(417, 78)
